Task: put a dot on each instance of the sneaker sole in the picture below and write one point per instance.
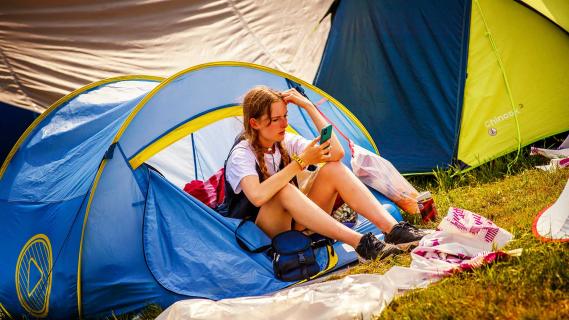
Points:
(408, 246)
(379, 257)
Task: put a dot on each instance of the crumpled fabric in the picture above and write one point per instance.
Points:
(211, 191)
(380, 174)
(463, 240)
(559, 157)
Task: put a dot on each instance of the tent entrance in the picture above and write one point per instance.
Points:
(190, 249)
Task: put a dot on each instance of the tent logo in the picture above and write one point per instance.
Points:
(491, 124)
(33, 275)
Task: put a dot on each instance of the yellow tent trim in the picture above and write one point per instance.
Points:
(59, 103)
(4, 312)
(91, 194)
(37, 306)
(247, 65)
(186, 129)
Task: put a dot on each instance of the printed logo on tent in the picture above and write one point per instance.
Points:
(4, 313)
(492, 123)
(33, 275)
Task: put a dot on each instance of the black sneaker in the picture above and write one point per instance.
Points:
(370, 248)
(404, 235)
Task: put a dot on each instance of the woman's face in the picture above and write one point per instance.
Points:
(272, 129)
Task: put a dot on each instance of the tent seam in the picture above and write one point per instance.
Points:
(231, 4)
(463, 73)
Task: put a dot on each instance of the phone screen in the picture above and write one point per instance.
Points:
(326, 133)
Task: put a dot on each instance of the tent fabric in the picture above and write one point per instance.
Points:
(450, 83)
(403, 71)
(69, 143)
(555, 10)
(173, 260)
(93, 230)
(524, 88)
(552, 223)
(170, 249)
(183, 93)
(42, 199)
(112, 273)
(52, 47)
(174, 163)
(402, 74)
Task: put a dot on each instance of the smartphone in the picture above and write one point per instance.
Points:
(326, 133)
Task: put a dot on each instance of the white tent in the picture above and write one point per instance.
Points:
(552, 223)
(51, 47)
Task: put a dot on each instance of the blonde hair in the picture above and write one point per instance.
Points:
(257, 103)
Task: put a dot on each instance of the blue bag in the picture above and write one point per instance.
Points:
(293, 256)
(292, 251)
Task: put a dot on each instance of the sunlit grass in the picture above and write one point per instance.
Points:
(533, 286)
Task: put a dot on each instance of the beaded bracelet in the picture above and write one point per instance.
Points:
(299, 160)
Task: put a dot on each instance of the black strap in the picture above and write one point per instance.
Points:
(237, 205)
(305, 273)
(323, 243)
(240, 138)
(244, 246)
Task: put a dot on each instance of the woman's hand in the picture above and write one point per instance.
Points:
(293, 96)
(314, 153)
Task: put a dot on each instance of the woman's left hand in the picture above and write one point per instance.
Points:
(291, 95)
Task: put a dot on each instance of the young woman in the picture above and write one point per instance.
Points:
(261, 182)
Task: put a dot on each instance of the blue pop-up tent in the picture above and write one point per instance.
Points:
(89, 228)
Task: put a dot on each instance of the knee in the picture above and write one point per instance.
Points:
(333, 168)
(286, 193)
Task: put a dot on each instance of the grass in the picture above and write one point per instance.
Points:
(533, 286)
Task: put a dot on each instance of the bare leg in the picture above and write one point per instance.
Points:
(336, 178)
(275, 217)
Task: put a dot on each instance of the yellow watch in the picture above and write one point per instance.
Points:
(299, 160)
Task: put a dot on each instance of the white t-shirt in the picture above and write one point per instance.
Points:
(242, 161)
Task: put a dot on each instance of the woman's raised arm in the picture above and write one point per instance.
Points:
(292, 95)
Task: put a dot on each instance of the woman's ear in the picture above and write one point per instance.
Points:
(253, 123)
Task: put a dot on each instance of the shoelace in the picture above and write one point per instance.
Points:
(410, 226)
(368, 245)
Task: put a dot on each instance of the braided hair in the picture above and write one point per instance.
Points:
(257, 102)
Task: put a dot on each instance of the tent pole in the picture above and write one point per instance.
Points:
(194, 154)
